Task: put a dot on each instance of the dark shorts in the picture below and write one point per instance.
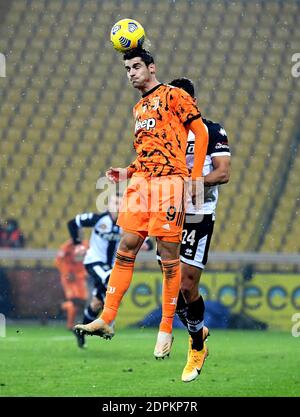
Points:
(195, 243)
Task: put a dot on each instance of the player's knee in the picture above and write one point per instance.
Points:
(189, 288)
(168, 250)
(130, 243)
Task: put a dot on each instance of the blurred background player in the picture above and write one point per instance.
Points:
(100, 256)
(196, 237)
(73, 278)
(161, 119)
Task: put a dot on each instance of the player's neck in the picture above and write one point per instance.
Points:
(147, 87)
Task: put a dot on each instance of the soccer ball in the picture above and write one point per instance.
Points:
(127, 34)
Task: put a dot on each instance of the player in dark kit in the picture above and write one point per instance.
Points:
(196, 237)
(100, 256)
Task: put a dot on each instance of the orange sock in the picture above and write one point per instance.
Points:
(118, 284)
(170, 291)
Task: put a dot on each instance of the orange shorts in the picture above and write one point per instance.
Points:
(154, 206)
(75, 289)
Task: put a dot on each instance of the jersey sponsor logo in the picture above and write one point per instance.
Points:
(222, 145)
(145, 124)
(222, 131)
(166, 226)
(110, 236)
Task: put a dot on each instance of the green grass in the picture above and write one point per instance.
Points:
(45, 361)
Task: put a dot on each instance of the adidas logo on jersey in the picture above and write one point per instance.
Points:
(145, 124)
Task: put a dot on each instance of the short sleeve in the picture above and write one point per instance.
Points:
(218, 141)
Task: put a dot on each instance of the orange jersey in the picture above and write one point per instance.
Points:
(161, 119)
(66, 262)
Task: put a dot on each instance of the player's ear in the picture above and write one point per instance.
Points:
(152, 68)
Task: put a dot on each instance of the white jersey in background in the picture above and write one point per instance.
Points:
(217, 146)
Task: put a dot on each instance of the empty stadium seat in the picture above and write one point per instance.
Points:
(68, 107)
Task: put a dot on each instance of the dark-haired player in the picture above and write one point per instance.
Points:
(163, 117)
(196, 237)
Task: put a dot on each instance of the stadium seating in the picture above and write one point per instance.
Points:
(66, 112)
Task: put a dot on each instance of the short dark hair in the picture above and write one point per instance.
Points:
(139, 53)
(186, 84)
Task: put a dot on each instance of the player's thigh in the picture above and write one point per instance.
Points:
(132, 240)
(195, 244)
(81, 289)
(167, 208)
(190, 276)
(168, 250)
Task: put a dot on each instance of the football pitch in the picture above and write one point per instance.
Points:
(39, 361)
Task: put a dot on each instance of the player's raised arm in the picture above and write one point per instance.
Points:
(81, 220)
(201, 142)
(190, 115)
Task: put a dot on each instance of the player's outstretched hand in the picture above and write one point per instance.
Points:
(79, 252)
(116, 174)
